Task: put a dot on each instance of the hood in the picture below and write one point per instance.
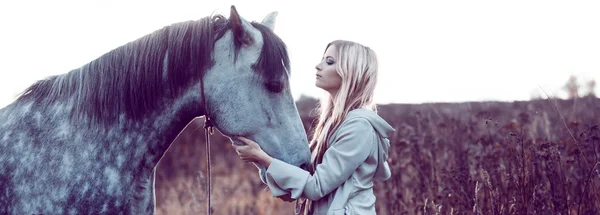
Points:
(385, 131)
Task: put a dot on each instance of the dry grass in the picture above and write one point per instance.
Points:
(468, 158)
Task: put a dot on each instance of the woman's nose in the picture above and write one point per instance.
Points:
(318, 67)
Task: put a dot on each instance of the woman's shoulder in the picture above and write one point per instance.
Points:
(357, 120)
(359, 117)
(361, 112)
(374, 121)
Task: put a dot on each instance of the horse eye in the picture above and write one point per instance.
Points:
(274, 87)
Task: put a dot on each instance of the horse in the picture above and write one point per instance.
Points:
(88, 141)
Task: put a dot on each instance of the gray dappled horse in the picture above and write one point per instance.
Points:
(88, 141)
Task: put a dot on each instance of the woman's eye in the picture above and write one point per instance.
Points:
(330, 62)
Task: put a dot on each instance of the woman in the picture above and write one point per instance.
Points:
(349, 144)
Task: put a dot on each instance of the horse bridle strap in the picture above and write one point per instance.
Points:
(209, 129)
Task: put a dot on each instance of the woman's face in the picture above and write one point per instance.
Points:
(327, 77)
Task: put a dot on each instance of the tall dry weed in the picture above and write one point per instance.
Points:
(469, 158)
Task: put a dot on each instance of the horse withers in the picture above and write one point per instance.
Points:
(88, 141)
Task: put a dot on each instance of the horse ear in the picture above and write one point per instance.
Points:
(269, 20)
(237, 26)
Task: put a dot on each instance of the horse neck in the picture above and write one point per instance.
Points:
(148, 137)
(158, 130)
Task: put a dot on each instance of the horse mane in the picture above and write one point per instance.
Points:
(274, 58)
(129, 78)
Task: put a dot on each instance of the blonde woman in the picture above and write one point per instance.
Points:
(349, 144)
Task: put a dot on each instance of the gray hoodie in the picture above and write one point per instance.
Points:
(343, 182)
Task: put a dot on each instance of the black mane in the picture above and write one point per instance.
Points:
(274, 59)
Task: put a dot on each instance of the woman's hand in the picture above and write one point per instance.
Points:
(251, 152)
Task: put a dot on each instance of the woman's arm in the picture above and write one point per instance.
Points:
(348, 150)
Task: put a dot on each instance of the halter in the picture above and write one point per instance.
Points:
(209, 129)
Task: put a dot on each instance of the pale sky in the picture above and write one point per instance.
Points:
(429, 51)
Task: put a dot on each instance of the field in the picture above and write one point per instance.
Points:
(530, 157)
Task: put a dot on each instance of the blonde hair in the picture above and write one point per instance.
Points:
(357, 66)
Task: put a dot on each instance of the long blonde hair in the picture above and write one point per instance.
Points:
(357, 66)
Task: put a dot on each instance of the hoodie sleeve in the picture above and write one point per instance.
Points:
(348, 150)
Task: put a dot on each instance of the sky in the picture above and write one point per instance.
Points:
(429, 51)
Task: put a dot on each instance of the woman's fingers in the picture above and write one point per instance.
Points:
(244, 152)
(238, 147)
(251, 152)
(243, 139)
(248, 142)
(252, 144)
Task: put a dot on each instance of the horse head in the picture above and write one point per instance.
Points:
(248, 90)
